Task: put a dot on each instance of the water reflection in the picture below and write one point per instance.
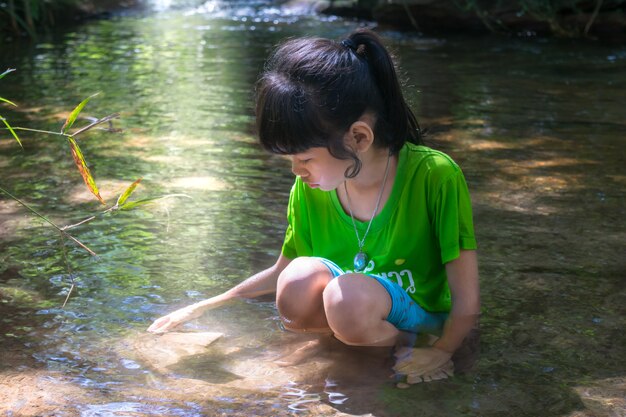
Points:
(536, 125)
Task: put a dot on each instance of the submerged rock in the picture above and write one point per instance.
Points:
(605, 397)
(160, 351)
(289, 375)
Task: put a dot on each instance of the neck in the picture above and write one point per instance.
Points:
(372, 173)
(370, 186)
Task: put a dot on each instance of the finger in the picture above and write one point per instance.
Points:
(410, 364)
(410, 368)
(159, 330)
(400, 367)
(153, 327)
(415, 368)
(401, 364)
(448, 368)
(159, 325)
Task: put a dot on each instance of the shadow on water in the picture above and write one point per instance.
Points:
(536, 125)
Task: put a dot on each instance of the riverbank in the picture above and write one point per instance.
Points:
(31, 18)
(602, 20)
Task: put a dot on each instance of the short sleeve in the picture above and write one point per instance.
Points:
(289, 246)
(296, 239)
(453, 217)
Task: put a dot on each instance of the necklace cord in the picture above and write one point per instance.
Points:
(361, 242)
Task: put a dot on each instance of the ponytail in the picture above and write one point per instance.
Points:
(396, 121)
(313, 89)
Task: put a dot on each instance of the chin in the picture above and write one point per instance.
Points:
(326, 187)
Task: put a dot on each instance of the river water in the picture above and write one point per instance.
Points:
(537, 125)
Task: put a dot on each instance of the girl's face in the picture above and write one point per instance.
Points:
(319, 169)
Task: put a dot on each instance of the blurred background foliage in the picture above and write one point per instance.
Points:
(30, 17)
(563, 18)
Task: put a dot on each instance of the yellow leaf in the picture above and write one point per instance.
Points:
(79, 159)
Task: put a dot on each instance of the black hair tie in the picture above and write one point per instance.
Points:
(349, 43)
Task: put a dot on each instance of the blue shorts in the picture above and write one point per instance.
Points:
(405, 313)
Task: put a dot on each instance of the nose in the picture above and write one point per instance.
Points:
(298, 169)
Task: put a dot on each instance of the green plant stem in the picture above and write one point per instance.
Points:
(410, 15)
(40, 131)
(593, 17)
(68, 267)
(88, 219)
(69, 293)
(97, 122)
(44, 218)
(78, 132)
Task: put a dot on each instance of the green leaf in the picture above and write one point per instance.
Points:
(12, 131)
(7, 101)
(134, 204)
(1, 76)
(72, 117)
(81, 164)
(122, 199)
(6, 72)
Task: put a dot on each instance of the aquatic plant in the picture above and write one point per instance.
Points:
(122, 202)
(11, 103)
(31, 17)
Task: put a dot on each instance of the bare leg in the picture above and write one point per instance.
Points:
(299, 295)
(356, 309)
(300, 305)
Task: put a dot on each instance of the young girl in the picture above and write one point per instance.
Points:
(380, 241)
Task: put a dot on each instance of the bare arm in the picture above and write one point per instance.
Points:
(261, 283)
(464, 288)
(431, 363)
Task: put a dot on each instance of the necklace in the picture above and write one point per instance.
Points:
(361, 259)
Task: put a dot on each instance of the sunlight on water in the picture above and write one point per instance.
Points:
(135, 409)
(161, 5)
(536, 125)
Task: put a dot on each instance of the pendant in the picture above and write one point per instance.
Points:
(360, 261)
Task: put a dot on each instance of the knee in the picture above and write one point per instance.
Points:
(302, 274)
(348, 309)
(299, 288)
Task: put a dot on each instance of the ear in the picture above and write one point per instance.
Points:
(360, 136)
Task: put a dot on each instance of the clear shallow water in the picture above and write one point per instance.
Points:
(538, 127)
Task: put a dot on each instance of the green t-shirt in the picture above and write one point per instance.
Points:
(425, 223)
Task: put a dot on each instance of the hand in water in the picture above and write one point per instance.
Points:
(172, 320)
(423, 364)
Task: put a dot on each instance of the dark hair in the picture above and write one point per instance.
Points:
(313, 89)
